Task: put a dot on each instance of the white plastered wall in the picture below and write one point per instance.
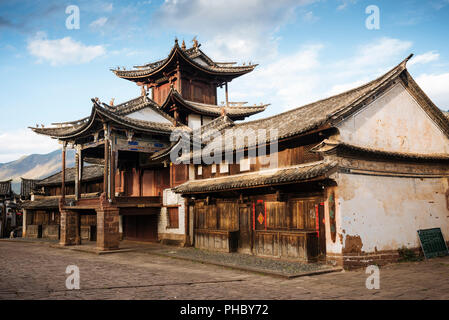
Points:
(386, 212)
(171, 198)
(147, 114)
(394, 122)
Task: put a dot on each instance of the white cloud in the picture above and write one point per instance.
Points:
(310, 17)
(108, 7)
(304, 76)
(231, 28)
(380, 51)
(100, 22)
(62, 51)
(424, 58)
(345, 3)
(15, 144)
(436, 86)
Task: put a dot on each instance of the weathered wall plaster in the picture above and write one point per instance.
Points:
(384, 213)
(394, 122)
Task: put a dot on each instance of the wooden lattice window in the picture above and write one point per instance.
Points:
(173, 218)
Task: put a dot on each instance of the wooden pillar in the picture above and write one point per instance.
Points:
(120, 226)
(226, 92)
(178, 78)
(113, 162)
(64, 144)
(106, 161)
(81, 169)
(186, 223)
(77, 175)
(24, 223)
(113, 172)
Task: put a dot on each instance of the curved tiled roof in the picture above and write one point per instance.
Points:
(5, 188)
(44, 203)
(330, 111)
(259, 178)
(137, 104)
(27, 186)
(214, 110)
(89, 173)
(187, 55)
(233, 112)
(118, 114)
(329, 146)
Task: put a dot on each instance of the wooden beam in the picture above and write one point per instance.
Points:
(77, 175)
(81, 169)
(64, 144)
(106, 161)
(226, 91)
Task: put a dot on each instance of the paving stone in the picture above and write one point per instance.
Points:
(36, 271)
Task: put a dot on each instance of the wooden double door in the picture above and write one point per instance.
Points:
(254, 217)
(140, 227)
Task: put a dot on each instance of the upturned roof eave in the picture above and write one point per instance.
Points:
(97, 110)
(177, 52)
(174, 96)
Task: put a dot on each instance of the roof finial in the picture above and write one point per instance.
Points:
(195, 42)
(183, 46)
(176, 40)
(111, 103)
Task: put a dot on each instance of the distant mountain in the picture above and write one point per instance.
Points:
(35, 166)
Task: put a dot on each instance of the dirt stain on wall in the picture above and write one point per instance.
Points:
(353, 244)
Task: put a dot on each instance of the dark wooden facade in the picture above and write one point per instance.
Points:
(282, 221)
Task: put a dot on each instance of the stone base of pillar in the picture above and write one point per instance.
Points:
(70, 229)
(108, 236)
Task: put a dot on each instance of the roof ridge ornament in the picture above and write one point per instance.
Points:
(196, 45)
(183, 45)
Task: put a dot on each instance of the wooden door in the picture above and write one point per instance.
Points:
(244, 230)
(140, 227)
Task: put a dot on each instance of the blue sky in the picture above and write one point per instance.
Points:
(306, 50)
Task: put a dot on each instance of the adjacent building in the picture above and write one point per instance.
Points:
(357, 175)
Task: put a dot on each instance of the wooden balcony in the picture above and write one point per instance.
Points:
(138, 202)
(119, 202)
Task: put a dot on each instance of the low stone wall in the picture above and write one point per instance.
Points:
(216, 240)
(350, 261)
(301, 246)
(171, 238)
(50, 231)
(32, 231)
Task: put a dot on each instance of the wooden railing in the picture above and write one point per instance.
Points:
(94, 202)
(137, 201)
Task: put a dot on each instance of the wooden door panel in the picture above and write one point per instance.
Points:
(244, 229)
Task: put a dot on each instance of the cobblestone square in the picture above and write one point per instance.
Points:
(36, 271)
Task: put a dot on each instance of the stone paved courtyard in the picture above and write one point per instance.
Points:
(36, 271)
